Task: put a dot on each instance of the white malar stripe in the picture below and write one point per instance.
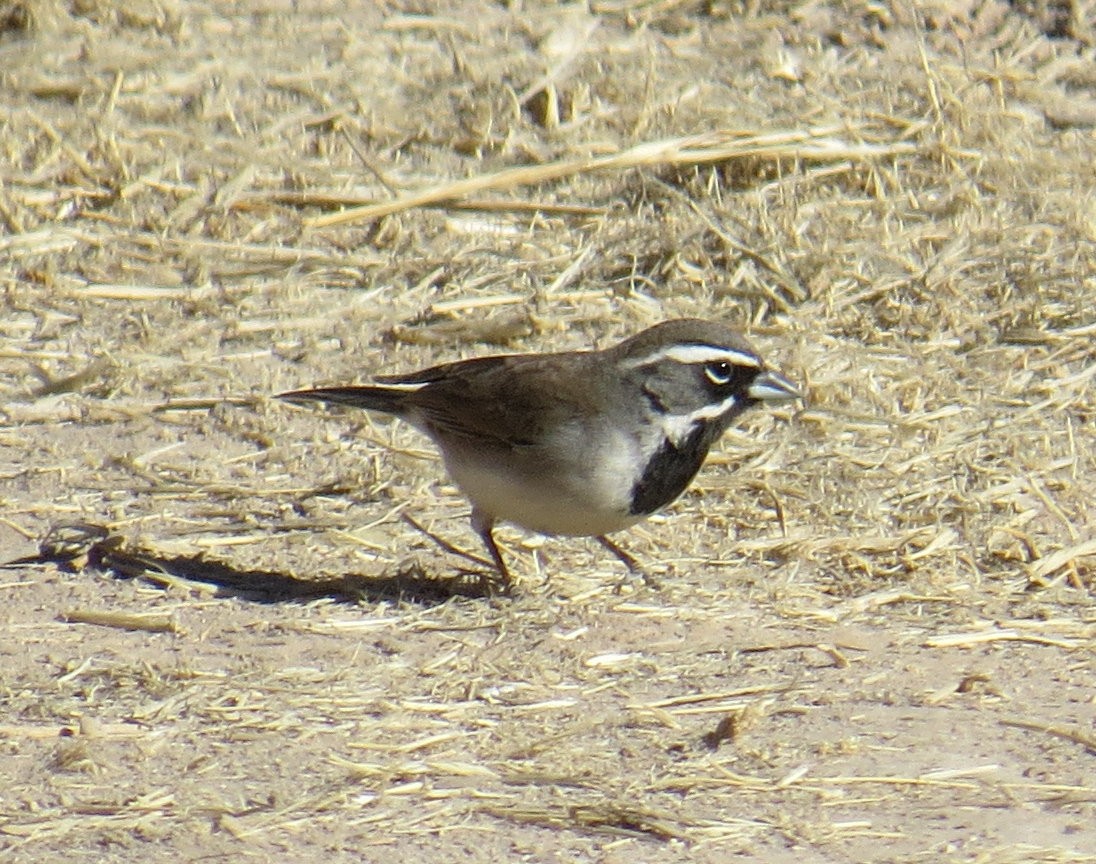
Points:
(699, 354)
(678, 426)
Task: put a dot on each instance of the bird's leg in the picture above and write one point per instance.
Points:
(628, 561)
(489, 542)
(444, 544)
(484, 526)
(625, 558)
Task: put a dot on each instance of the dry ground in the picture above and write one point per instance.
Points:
(875, 636)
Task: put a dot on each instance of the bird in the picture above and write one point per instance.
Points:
(577, 443)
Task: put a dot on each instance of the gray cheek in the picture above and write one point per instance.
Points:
(677, 390)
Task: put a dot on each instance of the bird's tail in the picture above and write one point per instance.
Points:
(372, 398)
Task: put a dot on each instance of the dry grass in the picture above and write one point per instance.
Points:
(875, 636)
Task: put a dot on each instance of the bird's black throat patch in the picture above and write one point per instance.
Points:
(669, 471)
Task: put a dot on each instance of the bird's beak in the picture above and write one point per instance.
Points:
(771, 386)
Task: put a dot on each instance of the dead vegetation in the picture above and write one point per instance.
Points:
(875, 636)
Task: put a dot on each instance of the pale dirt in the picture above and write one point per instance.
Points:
(875, 636)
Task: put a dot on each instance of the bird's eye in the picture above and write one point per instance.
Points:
(719, 371)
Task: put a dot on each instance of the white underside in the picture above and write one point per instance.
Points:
(579, 500)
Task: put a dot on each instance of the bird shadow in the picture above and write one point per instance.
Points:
(84, 546)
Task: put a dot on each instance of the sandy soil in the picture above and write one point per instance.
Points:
(875, 634)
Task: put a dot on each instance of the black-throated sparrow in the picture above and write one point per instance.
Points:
(579, 443)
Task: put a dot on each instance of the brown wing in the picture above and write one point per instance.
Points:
(510, 399)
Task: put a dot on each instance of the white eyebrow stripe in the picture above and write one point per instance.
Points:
(699, 354)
